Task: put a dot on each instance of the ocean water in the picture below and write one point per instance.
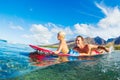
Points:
(15, 65)
(14, 60)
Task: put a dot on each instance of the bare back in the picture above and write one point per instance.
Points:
(64, 47)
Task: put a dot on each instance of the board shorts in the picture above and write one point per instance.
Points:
(75, 55)
(73, 52)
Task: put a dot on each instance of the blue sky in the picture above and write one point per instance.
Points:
(38, 21)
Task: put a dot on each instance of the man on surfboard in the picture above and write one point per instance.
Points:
(80, 49)
(83, 48)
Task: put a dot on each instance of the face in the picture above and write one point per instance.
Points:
(58, 37)
(78, 41)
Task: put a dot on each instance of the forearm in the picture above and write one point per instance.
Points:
(84, 54)
(101, 47)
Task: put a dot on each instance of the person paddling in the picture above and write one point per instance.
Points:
(83, 48)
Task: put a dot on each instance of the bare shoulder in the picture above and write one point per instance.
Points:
(89, 45)
(92, 46)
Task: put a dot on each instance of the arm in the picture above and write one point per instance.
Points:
(91, 47)
(82, 53)
(59, 48)
(101, 47)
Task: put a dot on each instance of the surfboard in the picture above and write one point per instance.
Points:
(42, 59)
(46, 57)
(47, 52)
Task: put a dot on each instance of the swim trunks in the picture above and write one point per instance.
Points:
(74, 54)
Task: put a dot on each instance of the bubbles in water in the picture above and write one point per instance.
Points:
(12, 61)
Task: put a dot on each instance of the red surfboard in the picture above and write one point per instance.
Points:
(48, 51)
(46, 58)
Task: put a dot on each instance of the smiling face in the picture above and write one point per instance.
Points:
(79, 40)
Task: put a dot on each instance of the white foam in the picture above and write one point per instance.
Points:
(111, 49)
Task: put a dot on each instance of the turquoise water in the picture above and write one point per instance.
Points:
(14, 60)
(15, 65)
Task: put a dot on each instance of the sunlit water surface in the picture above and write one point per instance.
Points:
(15, 65)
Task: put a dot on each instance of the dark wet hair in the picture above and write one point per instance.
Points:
(80, 37)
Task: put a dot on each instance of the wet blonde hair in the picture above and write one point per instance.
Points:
(62, 34)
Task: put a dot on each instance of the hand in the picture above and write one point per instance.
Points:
(56, 52)
(107, 50)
